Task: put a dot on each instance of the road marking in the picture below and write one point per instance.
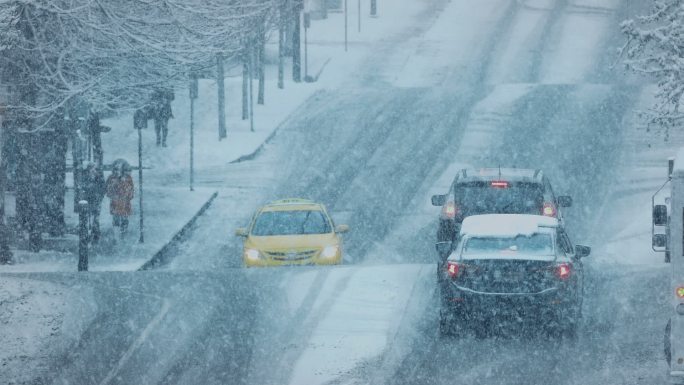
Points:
(166, 305)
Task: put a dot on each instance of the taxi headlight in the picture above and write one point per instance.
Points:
(329, 252)
(252, 254)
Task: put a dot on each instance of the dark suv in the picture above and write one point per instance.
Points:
(496, 191)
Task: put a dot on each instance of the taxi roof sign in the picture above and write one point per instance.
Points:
(292, 201)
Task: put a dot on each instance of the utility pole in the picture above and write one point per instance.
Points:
(359, 12)
(194, 92)
(5, 252)
(140, 183)
(251, 89)
(221, 97)
(140, 122)
(307, 24)
(296, 44)
(281, 45)
(245, 83)
(281, 58)
(346, 25)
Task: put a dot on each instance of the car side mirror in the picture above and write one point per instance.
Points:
(341, 229)
(241, 232)
(660, 215)
(582, 251)
(443, 249)
(438, 200)
(659, 240)
(565, 201)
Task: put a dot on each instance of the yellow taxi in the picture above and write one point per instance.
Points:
(292, 232)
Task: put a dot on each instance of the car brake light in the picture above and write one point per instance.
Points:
(500, 184)
(680, 292)
(549, 210)
(453, 269)
(449, 210)
(563, 271)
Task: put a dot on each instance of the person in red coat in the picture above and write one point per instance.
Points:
(120, 192)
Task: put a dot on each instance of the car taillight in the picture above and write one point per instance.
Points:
(549, 210)
(499, 184)
(563, 271)
(453, 269)
(449, 210)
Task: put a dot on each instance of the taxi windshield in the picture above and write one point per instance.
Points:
(291, 223)
(535, 244)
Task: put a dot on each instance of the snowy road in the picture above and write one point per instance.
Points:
(519, 83)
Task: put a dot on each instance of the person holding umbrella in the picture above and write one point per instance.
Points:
(120, 192)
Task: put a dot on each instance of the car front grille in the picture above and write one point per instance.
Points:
(294, 255)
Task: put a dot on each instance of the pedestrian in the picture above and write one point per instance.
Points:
(94, 189)
(162, 113)
(119, 187)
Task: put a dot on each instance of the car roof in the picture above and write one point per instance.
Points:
(505, 225)
(503, 173)
(292, 204)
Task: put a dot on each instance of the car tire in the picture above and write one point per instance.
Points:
(451, 323)
(666, 344)
(446, 231)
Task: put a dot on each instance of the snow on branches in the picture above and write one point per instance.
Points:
(655, 46)
(113, 54)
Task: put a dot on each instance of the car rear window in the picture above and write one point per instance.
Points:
(481, 197)
(534, 244)
(291, 223)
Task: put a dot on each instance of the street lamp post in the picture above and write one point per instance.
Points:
(140, 183)
(346, 25)
(140, 122)
(307, 24)
(194, 91)
(251, 89)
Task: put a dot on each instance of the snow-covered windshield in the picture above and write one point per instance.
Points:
(481, 198)
(291, 222)
(536, 244)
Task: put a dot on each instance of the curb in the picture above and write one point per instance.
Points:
(161, 257)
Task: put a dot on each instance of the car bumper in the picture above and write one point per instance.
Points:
(552, 300)
(302, 262)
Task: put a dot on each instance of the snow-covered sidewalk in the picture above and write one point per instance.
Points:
(166, 211)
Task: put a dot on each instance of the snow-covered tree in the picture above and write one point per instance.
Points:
(113, 53)
(106, 55)
(655, 47)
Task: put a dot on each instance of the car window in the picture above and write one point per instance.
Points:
(291, 223)
(481, 198)
(535, 244)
